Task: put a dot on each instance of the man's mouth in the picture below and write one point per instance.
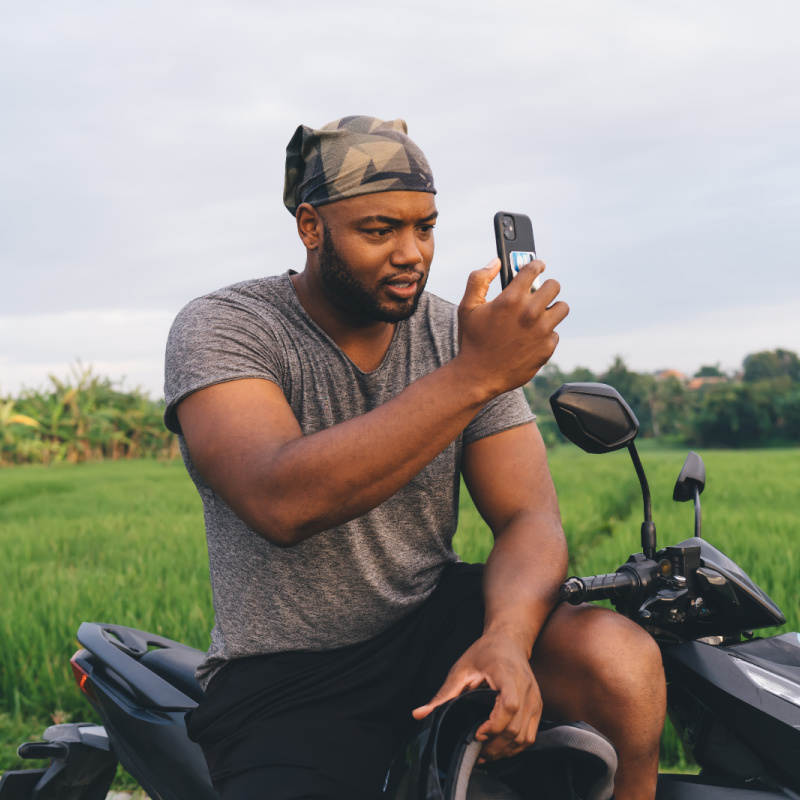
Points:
(403, 287)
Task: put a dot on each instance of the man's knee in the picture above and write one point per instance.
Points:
(599, 654)
(622, 656)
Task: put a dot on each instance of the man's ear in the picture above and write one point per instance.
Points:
(309, 226)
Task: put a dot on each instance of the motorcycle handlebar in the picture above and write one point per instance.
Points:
(598, 587)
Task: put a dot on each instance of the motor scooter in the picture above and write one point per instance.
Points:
(733, 698)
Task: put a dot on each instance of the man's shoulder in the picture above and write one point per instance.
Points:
(258, 297)
(270, 290)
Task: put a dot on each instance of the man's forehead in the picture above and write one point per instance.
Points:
(384, 207)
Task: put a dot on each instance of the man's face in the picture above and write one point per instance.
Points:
(376, 252)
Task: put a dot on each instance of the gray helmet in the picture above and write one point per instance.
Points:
(567, 762)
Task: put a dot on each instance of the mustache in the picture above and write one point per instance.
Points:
(409, 277)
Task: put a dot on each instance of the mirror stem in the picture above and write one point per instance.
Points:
(648, 510)
(648, 528)
(697, 518)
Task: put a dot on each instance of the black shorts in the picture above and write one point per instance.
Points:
(327, 725)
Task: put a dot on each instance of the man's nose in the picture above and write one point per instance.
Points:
(406, 251)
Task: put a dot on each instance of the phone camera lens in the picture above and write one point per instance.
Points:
(508, 228)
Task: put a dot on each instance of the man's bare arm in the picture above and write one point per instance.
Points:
(509, 480)
(247, 444)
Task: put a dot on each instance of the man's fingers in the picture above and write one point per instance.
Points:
(526, 276)
(478, 284)
(546, 293)
(518, 735)
(511, 727)
(533, 729)
(506, 708)
(450, 689)
(558, 311)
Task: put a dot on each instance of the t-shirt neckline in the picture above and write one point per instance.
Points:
(295, 300)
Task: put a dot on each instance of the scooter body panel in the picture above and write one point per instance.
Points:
(700, 787)
(728, 723)
(82, 766)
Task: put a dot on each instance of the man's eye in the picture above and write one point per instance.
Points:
(379, 231)
(426, 228)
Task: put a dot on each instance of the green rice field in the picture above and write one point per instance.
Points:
(123, 542)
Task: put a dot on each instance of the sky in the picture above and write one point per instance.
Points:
(653, 144)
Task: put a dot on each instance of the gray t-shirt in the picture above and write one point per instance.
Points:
(352, 582)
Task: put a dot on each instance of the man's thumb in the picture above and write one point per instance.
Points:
(478, 284)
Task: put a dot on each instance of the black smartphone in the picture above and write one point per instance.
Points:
(515, 248)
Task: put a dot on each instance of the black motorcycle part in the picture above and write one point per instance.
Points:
(597, 587)
(717, 698)
(82, 766)
(750, 608)
(126, 652)
(690, 485)
(143, 684)
(685, 560)
(702, 787)
(18, 784)
(692, 476)
(594, 416)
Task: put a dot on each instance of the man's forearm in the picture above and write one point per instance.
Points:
(522, 576)
(313, 483)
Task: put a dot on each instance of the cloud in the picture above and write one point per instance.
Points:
(653, 145)
(123, 345)
(723, 337)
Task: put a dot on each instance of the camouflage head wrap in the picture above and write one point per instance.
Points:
(352, 156)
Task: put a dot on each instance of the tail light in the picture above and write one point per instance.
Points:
(82, 679)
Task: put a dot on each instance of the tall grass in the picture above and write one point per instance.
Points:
(108, 542)
(124, 542)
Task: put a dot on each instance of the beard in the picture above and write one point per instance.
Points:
(352, 295)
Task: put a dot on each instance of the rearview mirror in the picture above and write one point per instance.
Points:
(594, 416)
(692, 474)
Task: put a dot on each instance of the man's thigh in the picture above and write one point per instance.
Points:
(289, 725)
(320, 758)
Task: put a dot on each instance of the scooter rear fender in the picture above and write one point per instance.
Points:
(151, 742)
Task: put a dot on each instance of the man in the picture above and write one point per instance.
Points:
(325, 417)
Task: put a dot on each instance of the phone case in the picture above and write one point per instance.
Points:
(517, 251)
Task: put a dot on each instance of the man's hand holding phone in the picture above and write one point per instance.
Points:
(506, 341)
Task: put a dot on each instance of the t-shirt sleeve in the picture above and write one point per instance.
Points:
(507, 411)
(215, 340)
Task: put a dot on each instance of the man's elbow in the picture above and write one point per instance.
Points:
(283, 527)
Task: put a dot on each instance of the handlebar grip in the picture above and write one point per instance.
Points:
(598, 587)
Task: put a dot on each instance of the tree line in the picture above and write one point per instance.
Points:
(90, 417)
(85, 417)
(759, 406)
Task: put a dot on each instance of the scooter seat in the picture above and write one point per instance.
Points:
(176, 665)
